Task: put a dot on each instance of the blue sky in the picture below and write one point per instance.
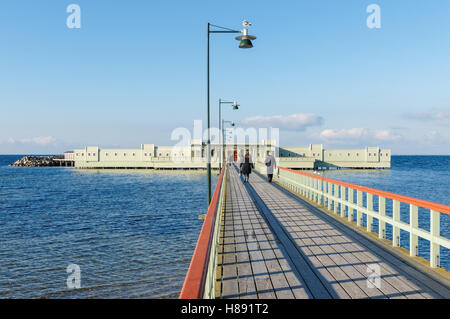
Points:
(136, 70)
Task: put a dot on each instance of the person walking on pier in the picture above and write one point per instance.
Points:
(246, 166)
(270, 165)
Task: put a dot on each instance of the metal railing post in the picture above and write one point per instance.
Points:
(413, 225)
(359, 204)
(350, 209)
(381, 212)
(330, 193)
(435, 231)
(370, 208)
(396, 218)
(343, 190)
(322, 186)
(336, 194)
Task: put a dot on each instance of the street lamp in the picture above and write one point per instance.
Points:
(245, 43)
(235, 107)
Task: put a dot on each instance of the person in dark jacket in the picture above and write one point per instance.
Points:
(246, 166)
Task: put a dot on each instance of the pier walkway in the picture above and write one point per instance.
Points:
(267, 242)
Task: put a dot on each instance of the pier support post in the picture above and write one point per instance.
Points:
(381, 212)
(435, 231)
(413, 224)
(369, 207)
(396, 218)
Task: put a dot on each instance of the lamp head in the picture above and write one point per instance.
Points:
(235, 106)
(245, 39)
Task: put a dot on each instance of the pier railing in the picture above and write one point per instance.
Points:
(339, 198)
(200, 278)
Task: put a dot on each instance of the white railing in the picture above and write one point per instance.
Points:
(339, 197)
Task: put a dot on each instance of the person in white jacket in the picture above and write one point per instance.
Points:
(270, 165)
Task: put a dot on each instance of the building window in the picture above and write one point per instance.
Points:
(134, 154)
(357, 154)
(348, 154)
(115, 154)
(124, 154)
(167, 154)
(93, 154)
(78, 154)
(159, 154)
(145, 154)
(106, 154)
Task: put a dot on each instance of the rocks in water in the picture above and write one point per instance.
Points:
(38, 161)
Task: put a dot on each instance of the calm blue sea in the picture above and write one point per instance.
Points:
(133, 232)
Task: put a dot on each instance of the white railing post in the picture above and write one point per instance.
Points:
(359, 204)
(304, 183)
(322, 186)
(413, 225)
(381, 212)
(343, 190)
(370, 208)
(396, 218)
(330, 193)
(350, 209)
(435, 231)
(316, 199)
(336, 194)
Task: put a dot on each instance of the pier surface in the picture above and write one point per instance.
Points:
(274, 244)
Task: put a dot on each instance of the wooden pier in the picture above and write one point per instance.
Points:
(265, 241)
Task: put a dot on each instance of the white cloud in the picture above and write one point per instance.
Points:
(442, 114)
(39, 140)
(357, 135)
(294, 122)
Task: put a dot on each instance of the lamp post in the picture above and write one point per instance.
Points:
(235, 107)
(245, 43)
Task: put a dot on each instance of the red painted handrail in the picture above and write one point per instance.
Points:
(194, 283)
(402, 198)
